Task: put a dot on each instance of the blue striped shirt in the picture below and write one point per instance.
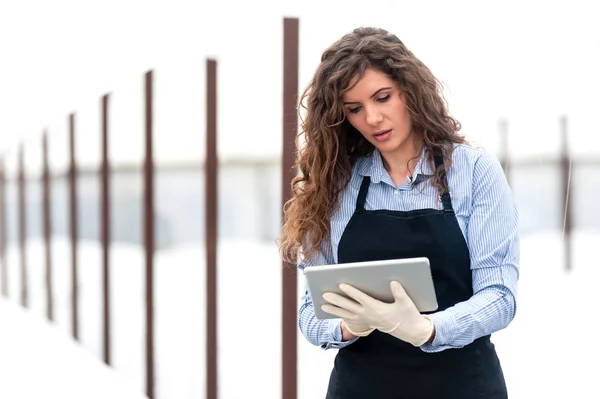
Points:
(488, 217)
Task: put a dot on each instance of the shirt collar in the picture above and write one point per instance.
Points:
(372, 166)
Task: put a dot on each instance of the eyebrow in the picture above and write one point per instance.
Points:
(372, 95)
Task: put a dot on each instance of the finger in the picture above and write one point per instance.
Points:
(398, 291)
(337, 311)
(400, 294)
(355, 294)
(342, 302)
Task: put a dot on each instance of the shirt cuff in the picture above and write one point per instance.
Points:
(444, 324)
(334, 332)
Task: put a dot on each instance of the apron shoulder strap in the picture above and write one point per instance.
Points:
(362, 194)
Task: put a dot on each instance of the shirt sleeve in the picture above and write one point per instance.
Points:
(324, 333)
(493, 238)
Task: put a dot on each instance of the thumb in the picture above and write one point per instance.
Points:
(397, 290)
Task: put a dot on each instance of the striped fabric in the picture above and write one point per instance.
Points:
(489, 220)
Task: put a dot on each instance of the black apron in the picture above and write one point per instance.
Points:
(380, 366)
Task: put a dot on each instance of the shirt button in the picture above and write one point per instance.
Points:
(396, 192)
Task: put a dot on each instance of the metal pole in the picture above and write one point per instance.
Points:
(505, 156)
(23, 230)
(73, 225)
(105, 230)
(211, 229)
(3, 230)
(149, 236)
(290, 126)
(47, 220)
(566, 162)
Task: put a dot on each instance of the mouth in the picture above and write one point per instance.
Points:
(382, 134)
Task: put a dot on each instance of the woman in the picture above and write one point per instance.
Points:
(384, 174)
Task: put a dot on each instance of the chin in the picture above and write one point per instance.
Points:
(388, 146)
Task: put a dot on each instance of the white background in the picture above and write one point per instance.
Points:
(528, 61)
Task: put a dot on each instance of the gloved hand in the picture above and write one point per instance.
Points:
(400, 319)
(357, 328)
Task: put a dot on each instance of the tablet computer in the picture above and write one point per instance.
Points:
(373, 278)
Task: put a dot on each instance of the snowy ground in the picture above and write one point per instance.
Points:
(545, 352)
(38, 361)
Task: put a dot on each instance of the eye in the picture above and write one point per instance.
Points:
(354, 110)
(383, 99)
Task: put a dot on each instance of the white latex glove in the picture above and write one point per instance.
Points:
(357, 328)
(400, 319)
(355, 325)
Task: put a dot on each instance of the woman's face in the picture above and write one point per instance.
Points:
(375, 107)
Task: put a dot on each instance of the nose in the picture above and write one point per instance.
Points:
(373, 116)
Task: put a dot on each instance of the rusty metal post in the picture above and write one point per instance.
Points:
(73, 228)
(504, 151)
(566, 163)
(23, 229)
(149, 234)
(3, 231)
(47, 226)
(290, 127)
(105, 230)
(211, 229)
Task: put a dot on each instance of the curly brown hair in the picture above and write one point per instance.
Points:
(332, 145)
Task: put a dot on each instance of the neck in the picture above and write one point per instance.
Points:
(403, 161)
